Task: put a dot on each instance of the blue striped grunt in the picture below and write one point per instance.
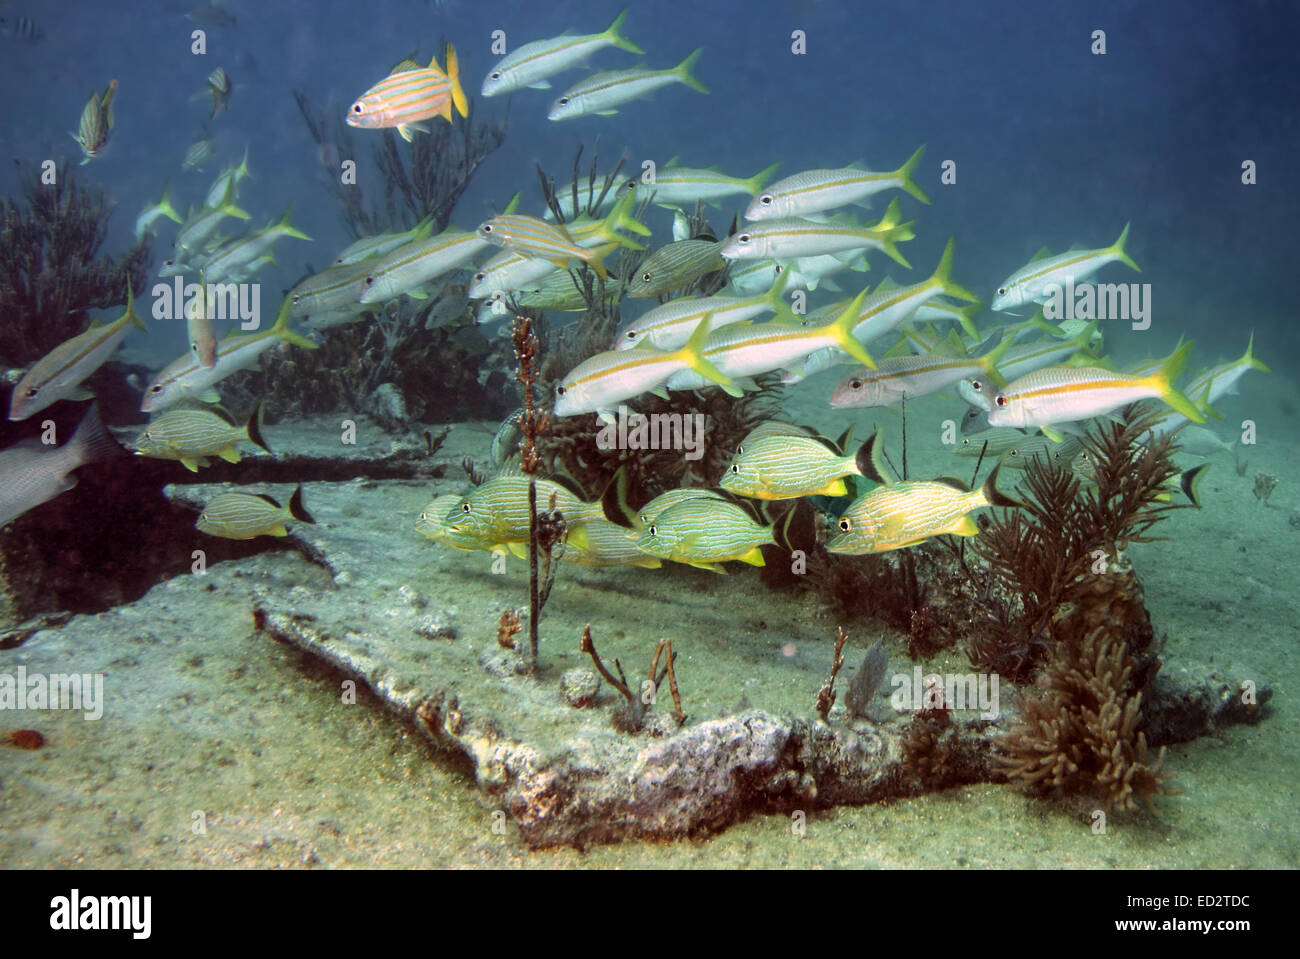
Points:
(247, 516)
(192, 435)
(706, 532)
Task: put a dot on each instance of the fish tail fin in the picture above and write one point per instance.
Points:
(775, 297)
(892, 216)
(255, 428)
(285, 332)
(994, 496)
(889, 243)
(943, 278)
(1164, 378)
(596, 260)
(615, 501)
(297, 510)
(871, 460)
(130, 309)
(964, 317)
(165, 204)
(453, 74)
(693, 354)
(1189, 480)
(613, 33)
(683, 71)
(759, 179)
(1117, 248)
(620, 217)
(91, 441)
(993, 357)
(1251, 360)
(842, 329)
(285, 228)
(242, 170)
(904, 173)
(229, 209)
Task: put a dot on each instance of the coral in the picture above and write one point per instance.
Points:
(51, 272)
(633, 717)
(1082, 735)
(826, 695)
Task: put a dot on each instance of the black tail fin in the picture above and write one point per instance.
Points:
(297, 510)
(255, 428)
(995, 496)
(871, 460)
(1189, 481)
(614, 501)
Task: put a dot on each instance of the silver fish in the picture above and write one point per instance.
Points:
(31, 475)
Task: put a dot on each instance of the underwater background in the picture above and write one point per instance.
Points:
(1051, 145)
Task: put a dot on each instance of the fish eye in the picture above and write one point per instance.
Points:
(559, 391)
(1000, 400)
(480, 277)
(486, 228)
(631, 334)
(564, 100)
(297, 297)
(745, 238)
(358, 108)
(646, 277)
(1002, 291)
(496, 75)
(766, 199)
(424, 516)
(370, 281)
(652, 531)
(465, 507)
(32, 391)
(976, 385)
(855, 384)
(1014, 452)
(845, 525)
(735, 469)
(156, 389)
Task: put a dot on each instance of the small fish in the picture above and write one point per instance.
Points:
(409, 94)
(1029, 283)
(994, 441)
(239, 252)
(674, 266)
(154, 210)
(816, 190)
(706, 532)
(96, 123)
(608, 545)
(219, 87)
(668, 326)
(378, 245)
(192, 435)
(213, 14)
(497, 510)
(811, 272)
(531, 64)
(791, 237)
(666, 500)
(538, 239)
(898, 378)
(505, 442)
(199, 227)
(227, 179)
(21, 30)
(1067, 394)
(186, 378)
(599, 383)
(198, 153)
(247, 516)
(335, 290)
(603, 93)
(32, 474)
(58, 375)
(415, 263)
(1215, 383)
(897, 515)
(748, 277)
(432, 524)
(676, 186)
(787, 466)
(198, 327)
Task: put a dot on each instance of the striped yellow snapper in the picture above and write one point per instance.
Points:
(1016, 450)
(186, 378)
(815, 190)
(337, 289)
(59, 374)
(1029, 283)
(790, 465)
(540, 240)
(497, 510)
(747, 277)
(409, 94)
(200, 226)
(812, 272)
(898, 378)
(603, 93)
(674, 266)
(378, 245)
(668, 326)
(791, 237)
(1065, 394)
(562, 291)
(533, 63)
(1023, 360)
(1215, 383)
(32, 473)
(433, 524)
(677, 186)
(96, 123)
(896, 515)
(225, 261)
(247, 516)
(599, 383)
(192, 435)
(706, 532)
(748, 349)
(198, 327)
(154, 210)
(231, 176)
(416, 263)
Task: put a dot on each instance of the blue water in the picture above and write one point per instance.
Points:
(1053, 145)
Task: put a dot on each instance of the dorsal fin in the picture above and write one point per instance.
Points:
(270, 499)
(1042, 254)
(955, 482)
(405, 65)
